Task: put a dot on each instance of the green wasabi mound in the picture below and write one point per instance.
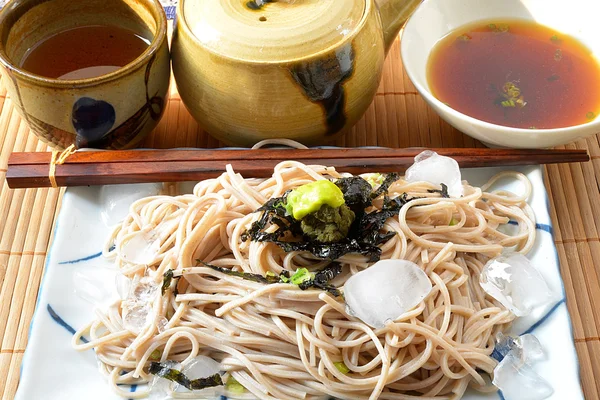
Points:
(321, 208)
(328, 224)
(309, 198)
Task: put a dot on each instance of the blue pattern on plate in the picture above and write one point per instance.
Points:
(62, 322)
(87, 258)
(541, 227)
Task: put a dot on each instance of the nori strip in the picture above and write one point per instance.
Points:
(174, 375)
(383, 188)
(443, 192)
(168, 277)
(245, 275)
(357, 193)
(322, 278)
(332, 251)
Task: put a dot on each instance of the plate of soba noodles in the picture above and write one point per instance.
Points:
(434, 283)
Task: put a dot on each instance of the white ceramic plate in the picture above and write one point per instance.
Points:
(52, 370)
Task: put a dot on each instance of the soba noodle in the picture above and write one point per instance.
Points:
(280, 342)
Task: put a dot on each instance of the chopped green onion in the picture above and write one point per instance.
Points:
(453, 221)
(155, 355)
(464, 38)
(553, 78)
(375, 179)
(341, 367)
(234, 386)
(555, 39)
(590, 115)
(508, 103)
(503, 28)
(301, 275)
(271, 274)
(284, 279)
(492, 27)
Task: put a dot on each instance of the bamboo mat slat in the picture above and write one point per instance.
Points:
(398, 117)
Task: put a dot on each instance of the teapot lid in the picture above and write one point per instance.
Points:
(272, 30)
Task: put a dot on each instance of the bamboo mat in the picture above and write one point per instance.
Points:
(398, 117)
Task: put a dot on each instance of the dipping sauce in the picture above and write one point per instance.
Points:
(516, 73)
(84, 52)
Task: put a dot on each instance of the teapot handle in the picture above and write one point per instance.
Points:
(394, 14)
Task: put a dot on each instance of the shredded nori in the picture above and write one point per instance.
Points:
(245, 275)
(443, 192)
(322, 278)
(168, 277)
(364, 234)
(319, 281)
(357, 193)
(384, 187)
(174, 375)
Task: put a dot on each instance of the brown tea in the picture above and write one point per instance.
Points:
(84, 52)
(516, 73)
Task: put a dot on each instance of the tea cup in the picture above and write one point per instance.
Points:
(113, 111)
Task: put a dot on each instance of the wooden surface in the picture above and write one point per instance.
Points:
(398, 117)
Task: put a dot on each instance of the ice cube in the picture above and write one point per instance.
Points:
(137, 308)
(530, 348)
(527, 347)
(141, 248)
(136, 316)
(202, 367)
(430, 167)
(162, 324)
(115, 200)
(385, 291)
(143, 290)
(95, 285)
(518, 381)
(513, 281)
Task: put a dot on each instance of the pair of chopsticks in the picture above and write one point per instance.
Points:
(29, 170)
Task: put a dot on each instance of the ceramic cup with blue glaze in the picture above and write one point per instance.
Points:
(113, 111)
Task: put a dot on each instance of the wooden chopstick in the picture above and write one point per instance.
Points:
(26, 170)
(127, 156)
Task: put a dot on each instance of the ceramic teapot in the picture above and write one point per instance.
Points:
(300, 69)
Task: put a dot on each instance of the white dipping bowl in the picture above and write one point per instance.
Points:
(434, 19)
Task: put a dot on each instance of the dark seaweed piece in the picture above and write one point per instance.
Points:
(168, 277)
(443, 192)
(333, 251)
(369, 227)
(383, 188)
(174, 375)
(245, 275)
(322, 278)
(357, 192)
(274, 212)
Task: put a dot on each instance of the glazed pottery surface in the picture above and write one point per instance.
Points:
(299, 69)
(115, 110)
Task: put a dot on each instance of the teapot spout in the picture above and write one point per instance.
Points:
(394, 14)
